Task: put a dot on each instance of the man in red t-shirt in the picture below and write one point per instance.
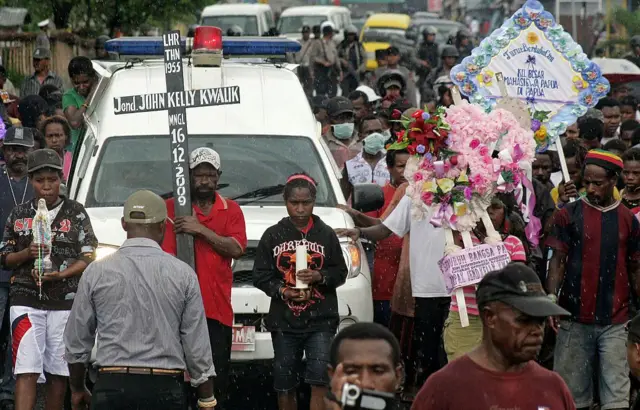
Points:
(513, 309)
(218, 227)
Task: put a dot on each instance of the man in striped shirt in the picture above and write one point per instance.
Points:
(595, 263)
(42, 74)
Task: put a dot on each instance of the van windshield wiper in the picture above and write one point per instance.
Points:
(260, 193)
(170, 193)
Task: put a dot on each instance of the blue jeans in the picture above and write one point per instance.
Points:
(579, 348)
(288, 348)
(8, 382)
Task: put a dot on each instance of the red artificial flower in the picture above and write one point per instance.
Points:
(400, 135)
(412, 148)
(396, 114)
(417, 114)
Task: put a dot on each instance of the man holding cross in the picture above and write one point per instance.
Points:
(218, 227)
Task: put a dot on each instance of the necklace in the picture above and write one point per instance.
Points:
(24, 194)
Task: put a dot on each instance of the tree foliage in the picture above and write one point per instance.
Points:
(98, 16)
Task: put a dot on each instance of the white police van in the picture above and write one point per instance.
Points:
(264, 132)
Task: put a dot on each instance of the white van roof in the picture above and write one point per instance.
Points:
(260, 111)
(313, 10)
(234, 9)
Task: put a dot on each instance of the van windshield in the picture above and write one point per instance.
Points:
(381, 34)
(253, 168)
(248, 24)
(294, 24)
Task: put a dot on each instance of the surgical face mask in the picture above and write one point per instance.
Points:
(343, 131)
(374, 143)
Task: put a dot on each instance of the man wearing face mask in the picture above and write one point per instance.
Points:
(594, 271)
(218, 227)
(368, 166)
(340, 136)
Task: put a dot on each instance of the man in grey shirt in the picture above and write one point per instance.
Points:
(146, 308)
(42, 74)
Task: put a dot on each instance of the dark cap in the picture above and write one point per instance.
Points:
(44, 158)
(339, 105)
(41, 53)
(633, 327)
(518, 286)
(19, 136)
(393, 51)
(306, 29)
(319, 101)
(381, 53)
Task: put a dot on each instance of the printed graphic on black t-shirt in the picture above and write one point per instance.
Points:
(285, 257)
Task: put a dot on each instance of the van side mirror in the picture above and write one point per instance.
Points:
(367, 197)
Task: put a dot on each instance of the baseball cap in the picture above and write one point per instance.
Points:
(393, 51)
(371, 95)
(339, 105)
(148, 205)
(518, 286)
(19, 136)
(204, 155)
(43, 158)
(392, 83)
(41, 53)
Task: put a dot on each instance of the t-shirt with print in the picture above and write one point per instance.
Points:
(516, 253)
(426, 248)
(71, 98)
(72, 239)
(463, 384)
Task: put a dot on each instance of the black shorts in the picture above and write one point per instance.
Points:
(288, 348)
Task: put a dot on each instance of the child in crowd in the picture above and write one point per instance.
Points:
(629, 108)
(631, 178)
(618, 147)
(459, 340)
(626, 131)
(591, 133)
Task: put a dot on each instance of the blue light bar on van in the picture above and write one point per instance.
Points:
(239, 46)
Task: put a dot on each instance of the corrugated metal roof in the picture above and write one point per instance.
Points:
(12, 17)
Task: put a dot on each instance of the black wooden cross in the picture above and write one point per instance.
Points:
(176, 101)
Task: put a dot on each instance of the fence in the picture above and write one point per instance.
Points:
(17, 49)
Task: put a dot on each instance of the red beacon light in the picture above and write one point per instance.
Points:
(207, 47)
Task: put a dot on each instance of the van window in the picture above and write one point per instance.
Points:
(128, 164)
(294, 24)
(248, 24)
(382, 35)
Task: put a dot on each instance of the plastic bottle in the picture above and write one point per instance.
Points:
(42, 236)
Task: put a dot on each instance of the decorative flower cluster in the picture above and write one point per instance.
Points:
(457, 178)
(424, 134)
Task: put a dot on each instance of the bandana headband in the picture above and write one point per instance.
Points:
(304, 177)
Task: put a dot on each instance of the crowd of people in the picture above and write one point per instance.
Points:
(588, 256)
(556, 318)
(325, 66)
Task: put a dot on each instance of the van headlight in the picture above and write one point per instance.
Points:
(353, 258)
(105, 250)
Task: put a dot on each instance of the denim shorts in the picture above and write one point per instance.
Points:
(579, 349)
(289, 347)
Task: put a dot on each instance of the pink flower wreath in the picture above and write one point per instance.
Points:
(458, 183)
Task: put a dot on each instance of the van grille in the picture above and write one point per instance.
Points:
(243, 267)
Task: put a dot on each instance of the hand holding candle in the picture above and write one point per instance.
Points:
(301, 264)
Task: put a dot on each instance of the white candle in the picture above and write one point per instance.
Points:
(301, 264)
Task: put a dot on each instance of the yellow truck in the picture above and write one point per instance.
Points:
(379, 31)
